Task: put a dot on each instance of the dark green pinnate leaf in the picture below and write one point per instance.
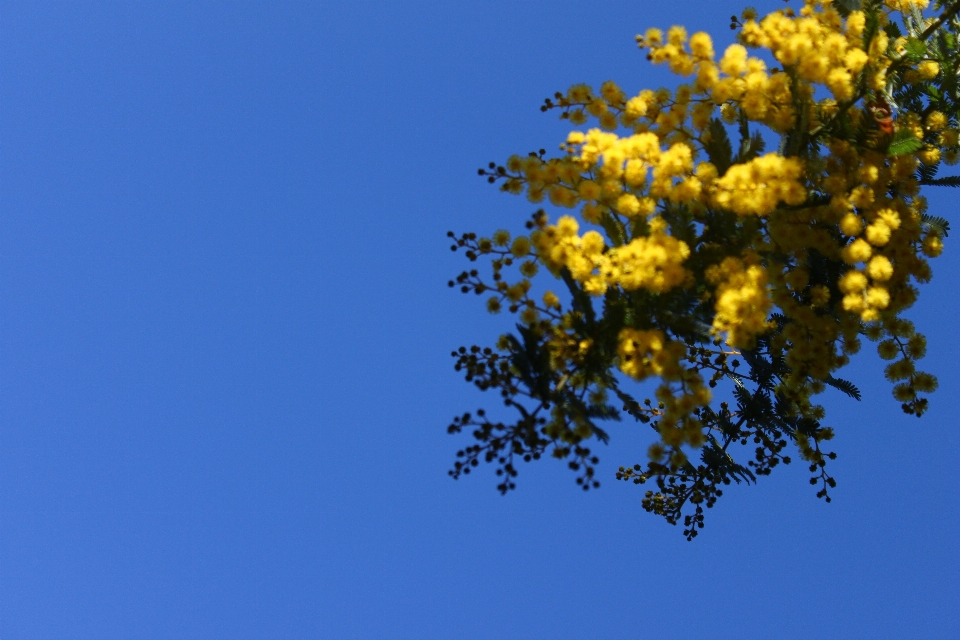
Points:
(893, 30)
(844, 7)
(904, 142)
(845, 386)
(916, 48)
(718, 149)
(936, 224)
(926, 173)
(946, 181)
(751, 147)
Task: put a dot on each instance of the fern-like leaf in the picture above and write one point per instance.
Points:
(904, 142)
(718, 148)
(844, 385)
(938, 225)
(926, 173)
(946, 181)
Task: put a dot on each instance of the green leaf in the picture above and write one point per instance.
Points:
(580, 299)
(844, 385)
(716, 458)
(893, 30)
(916, 48)
(844, 7)
(814, 199)
(926, 173)
(947, 181)
(904, 142)
(614, 229)
(918, 21)
(603, 412)
(751, 146)
(718, 148)
(936, 224)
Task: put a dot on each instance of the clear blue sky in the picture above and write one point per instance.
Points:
(225, 334)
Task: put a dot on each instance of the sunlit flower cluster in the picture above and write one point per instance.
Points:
(807, 247)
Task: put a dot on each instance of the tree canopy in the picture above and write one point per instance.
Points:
(752, 226)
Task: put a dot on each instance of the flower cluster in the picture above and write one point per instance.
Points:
(701, 249)
(653, 262)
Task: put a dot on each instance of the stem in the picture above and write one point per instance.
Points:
(949, 13)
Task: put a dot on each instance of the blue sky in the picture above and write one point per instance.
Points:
(225, 334)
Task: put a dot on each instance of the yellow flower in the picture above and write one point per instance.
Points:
(880, 268)
(588, 190)
(758, 186)
(701, 45)
(628, 204)
(734, 60)
(928, 69)
(932, 246)
(857, 251)
(851, 224)
(878, 233)
(653, 37)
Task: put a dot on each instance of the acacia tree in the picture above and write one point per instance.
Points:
(695, 255)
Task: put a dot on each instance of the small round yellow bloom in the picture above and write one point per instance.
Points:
(501, 238)
(878, 233)
(888, 349)
(932, 246)
(936, 121)
(588, 190)
(853, 282)
(878, 297)
(734, 61)
(628, 204)
(653, 37)
(701, 45)
(857, 251)
(928, 69)
(929, 156)
(851, 224)
(880, 268)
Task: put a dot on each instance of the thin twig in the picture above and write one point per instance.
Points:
(949, 13)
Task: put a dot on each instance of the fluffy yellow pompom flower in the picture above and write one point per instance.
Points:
(907, 5)
(880, 268)
(878, 233)
(734, 60)
(928, 69)
(653, 37)
(550, 300)
(628, 204)
(932, 246)
(929, 156)
(857, 251)
(701, 45)
(936, 121)
(851, 224)
(853, 281)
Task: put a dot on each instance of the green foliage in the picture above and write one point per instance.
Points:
(904, 142)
